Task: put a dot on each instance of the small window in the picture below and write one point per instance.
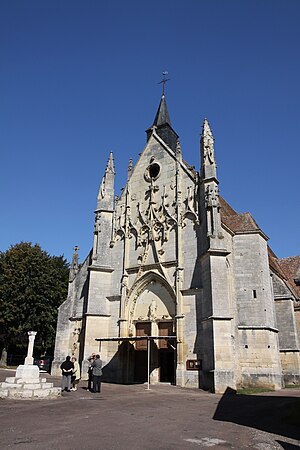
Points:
(254, 293)
(152, 172)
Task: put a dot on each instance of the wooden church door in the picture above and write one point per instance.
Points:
(166, 353)
(140, 363)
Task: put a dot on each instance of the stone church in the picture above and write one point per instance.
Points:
(174, 262)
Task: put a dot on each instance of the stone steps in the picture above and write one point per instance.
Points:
(28, 385)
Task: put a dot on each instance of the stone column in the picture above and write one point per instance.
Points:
(29, 358)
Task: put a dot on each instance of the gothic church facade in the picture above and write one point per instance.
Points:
(170, 257)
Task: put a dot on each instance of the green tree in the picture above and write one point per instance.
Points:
(32, 286)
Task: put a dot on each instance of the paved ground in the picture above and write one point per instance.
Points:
(164, 418)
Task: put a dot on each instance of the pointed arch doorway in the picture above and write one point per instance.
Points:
(148, 339)
(152, 313)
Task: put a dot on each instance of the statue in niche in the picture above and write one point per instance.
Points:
(213, 207)
(153, 310)
(76, 336)
(212, 197)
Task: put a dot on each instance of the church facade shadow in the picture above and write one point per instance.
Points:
(288, 446)
(273, 414)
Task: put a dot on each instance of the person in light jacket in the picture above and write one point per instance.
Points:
(76, 374)
(97, 373)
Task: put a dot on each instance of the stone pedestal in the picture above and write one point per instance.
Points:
(27, 371)
(27, 384)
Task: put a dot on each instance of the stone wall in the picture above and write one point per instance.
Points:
(257, 335)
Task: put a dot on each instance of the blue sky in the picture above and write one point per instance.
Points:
(79, 78)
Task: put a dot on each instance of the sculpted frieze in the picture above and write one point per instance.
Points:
(153, 218)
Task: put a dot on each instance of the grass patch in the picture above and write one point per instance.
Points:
(292, 386)
(249, 391)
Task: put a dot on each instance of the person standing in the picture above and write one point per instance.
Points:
(67, 368)
(76, 374)
(97, 373)
(91, 359)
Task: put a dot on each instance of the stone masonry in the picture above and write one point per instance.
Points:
(170, 257)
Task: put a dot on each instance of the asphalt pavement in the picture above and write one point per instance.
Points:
(166, 417)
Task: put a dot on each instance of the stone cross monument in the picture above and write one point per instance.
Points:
(29, 357)
(27, 382)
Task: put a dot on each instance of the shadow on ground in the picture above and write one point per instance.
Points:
(287, 446)
(273, 414)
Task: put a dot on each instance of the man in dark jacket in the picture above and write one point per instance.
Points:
(91, 359)
(97, 372)
(66, 369)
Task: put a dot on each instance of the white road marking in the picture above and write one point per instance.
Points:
(206, 442)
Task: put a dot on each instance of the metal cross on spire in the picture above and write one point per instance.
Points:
(163, 81)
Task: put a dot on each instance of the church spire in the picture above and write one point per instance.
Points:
(162, 125)
(105, 199)
(162, 116)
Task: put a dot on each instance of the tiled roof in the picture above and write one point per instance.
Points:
(237, 223)
(288, 269)
(226, 209)
(241, 223)
(291, 267)
(274, 264)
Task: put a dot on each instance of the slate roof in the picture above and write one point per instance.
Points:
(162, 116)
(163, 126)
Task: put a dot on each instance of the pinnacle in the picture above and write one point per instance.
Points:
(206, 123)
(206, 130)
(110, 167)
(178, 147)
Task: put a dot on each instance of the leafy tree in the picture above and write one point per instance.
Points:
(32, 286)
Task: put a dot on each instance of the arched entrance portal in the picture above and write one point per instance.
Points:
(152, 313)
